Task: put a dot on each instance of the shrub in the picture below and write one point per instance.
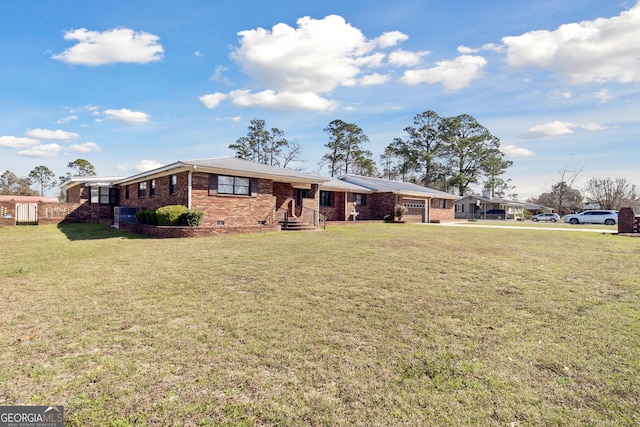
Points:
(191, 218)
(399, 211)
(388, 218)
(147, 216)
(170, 215)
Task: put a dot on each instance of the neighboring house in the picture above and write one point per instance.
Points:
(232, 192)
(485, 206)
(536, 209)
(373, 198)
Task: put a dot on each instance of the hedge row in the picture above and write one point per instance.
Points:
(170, 215)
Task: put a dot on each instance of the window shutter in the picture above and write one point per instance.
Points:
(254, 187)
(213, 184)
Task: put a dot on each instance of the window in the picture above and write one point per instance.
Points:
(173, 184)
(459, 207)
(233, 185)
(126, 191)
(443, 203)
(104, 195)
(152, 190)
(325, 198)
(302, 194)
(95, 195)
(142, 189)
(360, 199)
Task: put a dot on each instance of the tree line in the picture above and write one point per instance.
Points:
(600, 193)
(41, 179)
(443, 153)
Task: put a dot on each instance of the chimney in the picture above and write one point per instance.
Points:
(487, 194)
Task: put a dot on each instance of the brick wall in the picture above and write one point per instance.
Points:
(162, 196)
(7, 214)
(626, 220)
(232, 210)
(221, 209)
(383, 204)
(284, 196)
(335, 212)
(436, 213)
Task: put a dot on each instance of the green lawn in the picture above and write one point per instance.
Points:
(370, 324)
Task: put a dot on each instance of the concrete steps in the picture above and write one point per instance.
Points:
(295, 224)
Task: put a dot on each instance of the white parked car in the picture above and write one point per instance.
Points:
(553, 217)
(593, 217)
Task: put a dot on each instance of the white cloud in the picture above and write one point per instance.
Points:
(51, 134)
(454, 75)
(405, 58)
(128, 116)
(116, 45)
(555, 128)
(493, 47)
(467, 50)
(373, 79)
(218, 75)
(593, 127)
(42, 150)
(390, 38)
(295, 66)
(315, 57)
(558, 128)
(285, 101)
(66, 119)
(91, 108)
(566, 95)
(147, 165)
(604, 49)
(16, 142)
(604, 96)
(212, 100)
(514, 151)
(84, 148)
(229, 119)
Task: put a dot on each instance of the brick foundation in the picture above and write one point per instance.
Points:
(163, 232)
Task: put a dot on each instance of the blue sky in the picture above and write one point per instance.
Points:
(132, 85)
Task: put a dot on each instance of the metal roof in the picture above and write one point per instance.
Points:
(336, 184)
(101, 181)
(229, 165)
(398, 187)
(497, 200)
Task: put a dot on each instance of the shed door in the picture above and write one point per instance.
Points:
(26, 214)
(415, 210)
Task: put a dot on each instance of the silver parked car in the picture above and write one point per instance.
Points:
(593, 217)
(553, 217)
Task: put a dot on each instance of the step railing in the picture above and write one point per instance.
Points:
(313, 216)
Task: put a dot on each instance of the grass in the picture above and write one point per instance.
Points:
(372, 324)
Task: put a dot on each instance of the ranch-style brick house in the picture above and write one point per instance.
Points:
(238, 195)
